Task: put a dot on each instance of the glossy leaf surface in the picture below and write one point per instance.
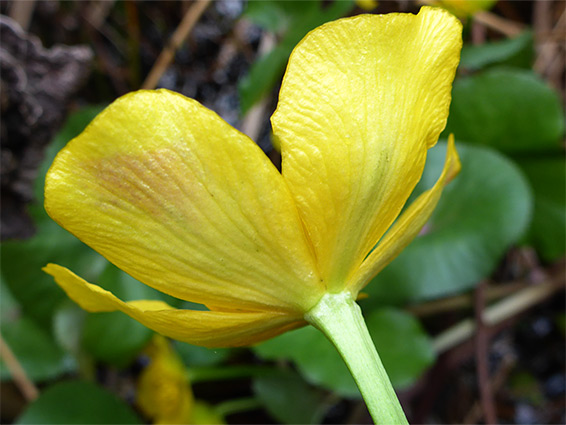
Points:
(509, 109)
(482, 213)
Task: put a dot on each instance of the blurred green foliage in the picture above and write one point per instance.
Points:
(547, 174)
(40, 356)
(280, 391)
(516, 52)
(509, 109)
(480, 215)
(509, 127)
(514, 111)
(116, 338)
(75, 402)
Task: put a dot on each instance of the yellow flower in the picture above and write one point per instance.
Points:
(174, 196)
(164, 392)
(367, 4)
(463, 8)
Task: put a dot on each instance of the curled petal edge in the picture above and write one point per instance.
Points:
(408, 226)
(205, 328)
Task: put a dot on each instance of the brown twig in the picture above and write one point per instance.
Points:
(550, 38)
(21, 12)
(508, 363)
(499, 24)
(26, 386)
(457, 302)
(181, 33)
(542, 12)
(97, 12)
(481, 354)
(499, 312)
(479, 32)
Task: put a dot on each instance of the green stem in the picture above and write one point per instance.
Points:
(215, 373)
(340, 319)
(238, 405)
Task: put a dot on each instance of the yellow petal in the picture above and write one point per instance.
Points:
(163, 390)
(206, 328)
(173, 195)
(408, 226)
(362, 100)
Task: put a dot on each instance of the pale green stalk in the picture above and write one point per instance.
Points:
(340, 319)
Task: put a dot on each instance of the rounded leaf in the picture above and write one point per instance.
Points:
(77, 402)
(482, 212)
(509, 109)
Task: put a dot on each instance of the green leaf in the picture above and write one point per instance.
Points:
(315, 357)
(517, 51)
(481, 213)
(38, 354)
(9, 307)
(67, 326)
(22, 261)
(267, 71)
(509, 109)
(401, 343)
(289, 399)
(115, 337)
(195, 356)
(523, 385)
(279, 15)
(77, 402)
(547, 176)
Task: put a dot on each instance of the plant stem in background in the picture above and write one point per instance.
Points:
(497, 313)
(180, 34)
(340, 319)
(26, 386)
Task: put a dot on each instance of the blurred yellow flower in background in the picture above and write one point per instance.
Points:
(367, 4)
(463, 8)
(164, 390)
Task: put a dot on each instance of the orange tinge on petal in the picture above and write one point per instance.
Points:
(174, 196)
